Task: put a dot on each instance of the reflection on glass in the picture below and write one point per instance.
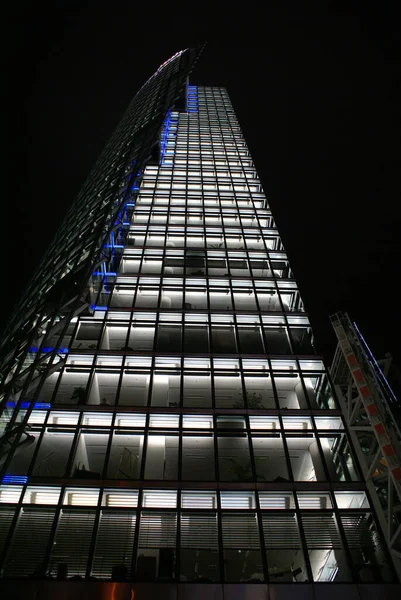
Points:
(90, 454)
(259, 392)
(197, 458)
(223, 339)
(327, 557)
(270, 461)
(197, 390)
(337, 454)
(234, 459)
(125, 456)
(53, 454)
(228, 391)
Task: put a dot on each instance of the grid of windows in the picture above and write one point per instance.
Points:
(192, 535)
(196, 367)
(187, 447)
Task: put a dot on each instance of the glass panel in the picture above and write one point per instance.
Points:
(125, 456)
(156, 546)
(104, 388)
(114, 338)
(197, 390)
(22, 456)
(223, 339)
(351, 500)
(168, 338)
(162, 457)
(314, 500)
(237, 500)
(270, 461)
(305, 458)
(274, 500)
(196, 338)
(199, 499)
(166, 390)
(366, 548)
(10, 494)
(134, 389)
(54, 451)
(234, 458)
(228, 391)
(140, 339)
(250, 341)
(285, 560)
(244, 300)
(126, 498)
(241, 544)
(277, 340)
(325, 397)
(90, 455)
(259, 392)
(339, 461)
(72, 388)
(220, 300)
(198, 458)
(195, 299)
(159, 499)
(326, 555)
(199, 547)
(302, 340)
(290, 391)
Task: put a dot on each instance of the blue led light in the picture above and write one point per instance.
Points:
(165, 136)
(96, 307)
(47, 349)
(37, 405)
(192, 99)
(21, 479)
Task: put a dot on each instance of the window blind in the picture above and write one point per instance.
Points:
(157, 530)
(240, 531)
(199, 530)
(114, 541)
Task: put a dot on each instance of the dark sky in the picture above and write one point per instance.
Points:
(318, 103)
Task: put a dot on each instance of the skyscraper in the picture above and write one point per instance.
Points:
(166, 417)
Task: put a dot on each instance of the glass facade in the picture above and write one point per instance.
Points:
(190, 433)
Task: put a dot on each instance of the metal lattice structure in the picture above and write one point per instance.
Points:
(368, 405)
(88, 245)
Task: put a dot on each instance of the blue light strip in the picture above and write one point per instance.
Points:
(18, 479)
(48, 349)
(165, 134)
(192, 99)
(36, 406)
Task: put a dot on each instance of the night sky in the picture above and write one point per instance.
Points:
(319, 107)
